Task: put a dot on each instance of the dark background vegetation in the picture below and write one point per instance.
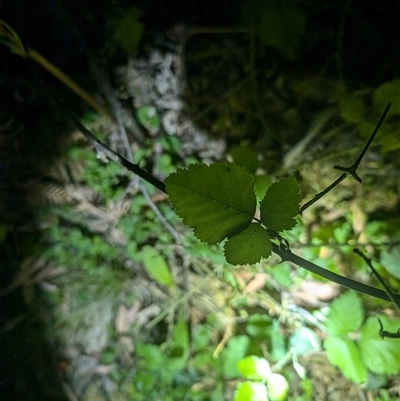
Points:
(67, 33)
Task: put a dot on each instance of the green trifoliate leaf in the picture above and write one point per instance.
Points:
(217, 201)
(250, 391)
(381, 356)
(346, 314)
(254, 368)
(249, 246)
(343, 353)
(280, 205)
(277, 387)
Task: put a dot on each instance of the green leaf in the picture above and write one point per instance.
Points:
(245, 157)
(381, 356)
(249, 246)
(281, 273)
(388, 92)
(148, 117)
(343, 353)
(254, 368)
(258, 326)
(391, 261)
(235, 350)
(128, 31)
(150, 356)
(263, 182)
(281, 205)
(179, 347)
(250, 391)
(278, 342)
(217, 201)
(156, 267)
(346, 314)
(201, 337)
(351, 108)
(277, 387)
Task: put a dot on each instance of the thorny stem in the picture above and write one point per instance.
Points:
(352, 170)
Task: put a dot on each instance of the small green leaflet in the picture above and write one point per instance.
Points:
(277, 387)
(217, 201)
(254, 368)
(128, 30)
(281, 204)
(346, 314)
(343, 353)
(156, 267)
(250, 391)
(249, 246)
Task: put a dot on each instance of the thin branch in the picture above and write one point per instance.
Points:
(378, 277)
(287, 255)
(117, 112)
(157, 212)
(323, 193)
(108, 152)
(352, 170)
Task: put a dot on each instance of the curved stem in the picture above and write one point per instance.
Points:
(287, 255)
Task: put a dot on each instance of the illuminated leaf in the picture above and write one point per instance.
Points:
(156, 267)
(277, 387)
(217, 201)
(346, 314)
(343, 353)
(263, 182)
(281, 205)
(351, 108)
(254, 368)
(390, 260)
(148, 117)
(249, 246)
(250, 391)
(388, 92)
(381, 355)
